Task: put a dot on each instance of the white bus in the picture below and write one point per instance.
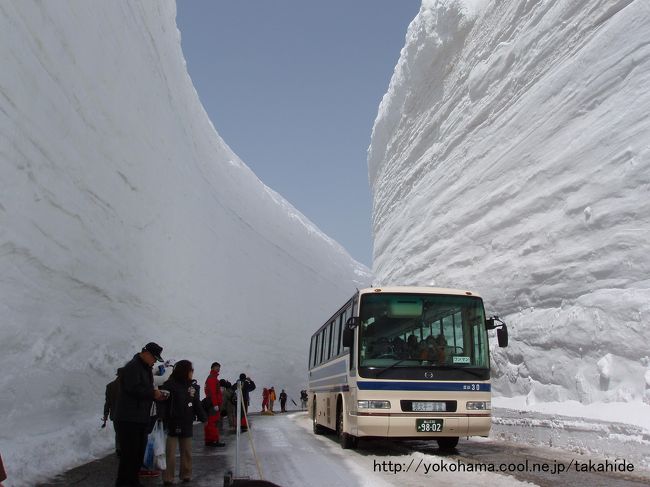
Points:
(404, 362)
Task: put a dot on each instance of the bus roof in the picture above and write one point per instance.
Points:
(418, 290)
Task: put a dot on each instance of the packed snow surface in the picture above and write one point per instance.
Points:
(511, 156)
(124, 218)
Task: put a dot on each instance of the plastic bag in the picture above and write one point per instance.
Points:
(159, 445)
(148, 461)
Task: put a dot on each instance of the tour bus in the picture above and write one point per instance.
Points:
(404, 363)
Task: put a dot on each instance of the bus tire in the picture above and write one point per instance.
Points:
(346, 440)
(447, 442)
(318, 429)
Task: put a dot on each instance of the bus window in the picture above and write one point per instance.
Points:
(335, 338)
(318, 349)
(328, 342)
(322, 339)
(346, 315)
(312, 351)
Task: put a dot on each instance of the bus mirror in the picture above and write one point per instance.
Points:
(348, 337)
(352, 322)
(502, 336)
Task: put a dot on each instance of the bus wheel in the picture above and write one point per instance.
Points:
(447, 443)
(346, 440)
(318, 429)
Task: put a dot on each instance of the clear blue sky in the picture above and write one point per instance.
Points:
(293, 87)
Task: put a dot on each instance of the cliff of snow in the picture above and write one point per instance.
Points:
(510, 156)
(124, 218)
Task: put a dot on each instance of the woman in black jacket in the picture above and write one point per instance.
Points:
(184, 405)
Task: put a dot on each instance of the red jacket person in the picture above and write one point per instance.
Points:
(213, 391)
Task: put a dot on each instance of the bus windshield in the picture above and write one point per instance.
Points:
(422, 330)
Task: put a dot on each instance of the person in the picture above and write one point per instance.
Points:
(223, 387)
(440, 348)
(413, 347)
(213, 391)
(271, 398)
(110, 403)
(433, 349)
(426, 348)
(399, 348)
(265, 399)
(247, 385)
(184, 405)
(303, 399)
(162, 372)
(3, 474)
(133, 420)
(228, 405)
(283, 401)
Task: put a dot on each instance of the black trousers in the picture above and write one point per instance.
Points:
(132, 438)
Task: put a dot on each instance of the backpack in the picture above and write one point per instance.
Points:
(206, 403)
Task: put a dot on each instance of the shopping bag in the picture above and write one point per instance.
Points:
(148, 461)
(159, 445)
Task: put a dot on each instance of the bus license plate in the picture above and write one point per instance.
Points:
(428, 425)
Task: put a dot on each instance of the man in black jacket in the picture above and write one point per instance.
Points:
(110, 403)
(247, 385)
(283, 401)
(133, 412)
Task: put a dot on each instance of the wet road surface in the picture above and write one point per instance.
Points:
(289, 454)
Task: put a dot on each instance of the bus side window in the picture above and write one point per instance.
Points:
(326, 337)
(318, 347)
(330, 327)
(321, 336)
(335, 337)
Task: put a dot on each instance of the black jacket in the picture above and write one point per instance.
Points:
(181, 408)
(246, 387)
(112, 393)
(136, 392)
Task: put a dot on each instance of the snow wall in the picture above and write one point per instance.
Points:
(124, 218)
(511, 156)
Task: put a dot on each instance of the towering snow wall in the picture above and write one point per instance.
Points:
(511, 156)
(125, 218)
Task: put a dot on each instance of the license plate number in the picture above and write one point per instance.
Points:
(428, 425)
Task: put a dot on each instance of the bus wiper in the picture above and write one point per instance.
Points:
(377, 374)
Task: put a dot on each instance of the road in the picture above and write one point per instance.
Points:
(290, 455)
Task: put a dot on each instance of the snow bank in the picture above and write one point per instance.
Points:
(510, 156)
(125, 218)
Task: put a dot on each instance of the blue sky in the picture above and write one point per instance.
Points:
(293, 87)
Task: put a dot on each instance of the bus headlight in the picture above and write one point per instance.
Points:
(478, 405)
(373, 404)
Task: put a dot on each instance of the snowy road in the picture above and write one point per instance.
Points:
(291, 455)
